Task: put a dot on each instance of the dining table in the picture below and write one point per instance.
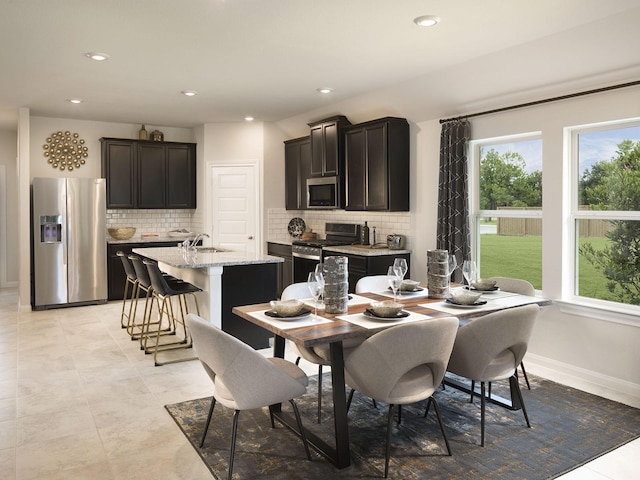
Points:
(313, 330)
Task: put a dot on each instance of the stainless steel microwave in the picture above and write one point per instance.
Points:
(323, 192)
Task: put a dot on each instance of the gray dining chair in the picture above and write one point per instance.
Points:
(521, 287)
(243, 379)
(372, 283)
(317, 355)
(401, 365)
(490, 348)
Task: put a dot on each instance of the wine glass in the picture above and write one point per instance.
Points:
(319, 271)
(453, 264)
(400, 264)
(315, 282)
(394, 279)
(469, 272)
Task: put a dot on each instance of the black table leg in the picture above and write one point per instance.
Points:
(340, 420)
(341, 455)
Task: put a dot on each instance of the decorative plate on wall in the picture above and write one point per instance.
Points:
(296, 227)
(65, 150)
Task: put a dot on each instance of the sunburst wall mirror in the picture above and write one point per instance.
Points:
(65, 150)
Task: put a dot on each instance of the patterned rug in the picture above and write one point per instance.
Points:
(569, 428)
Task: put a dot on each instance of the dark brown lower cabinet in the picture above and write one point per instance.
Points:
(363, 266)
(285, 269)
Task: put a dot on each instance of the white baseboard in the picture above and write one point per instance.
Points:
(585, 380)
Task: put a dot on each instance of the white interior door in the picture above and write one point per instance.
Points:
(234, 202)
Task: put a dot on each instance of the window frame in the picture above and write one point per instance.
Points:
(569, 295)
(475, 213)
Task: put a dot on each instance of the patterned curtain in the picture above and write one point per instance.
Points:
(453, 204)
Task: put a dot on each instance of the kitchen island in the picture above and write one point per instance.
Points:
(227, 279)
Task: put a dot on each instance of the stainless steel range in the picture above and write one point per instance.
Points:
(308, 253)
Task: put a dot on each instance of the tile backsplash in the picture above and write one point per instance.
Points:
(384, 222)
(154, 221)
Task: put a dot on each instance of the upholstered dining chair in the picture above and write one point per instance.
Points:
(521, 287)
(318, 355)
(490, 348)
(372, 283)
(243, 379)
(401, 365)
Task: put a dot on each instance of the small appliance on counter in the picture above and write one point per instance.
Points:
(395, 242)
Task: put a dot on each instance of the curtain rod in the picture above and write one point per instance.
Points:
(539, 102)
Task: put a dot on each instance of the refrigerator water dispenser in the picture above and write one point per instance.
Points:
(50, 229)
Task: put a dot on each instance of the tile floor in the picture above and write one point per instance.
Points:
(79, 400)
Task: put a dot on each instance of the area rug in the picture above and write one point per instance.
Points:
(569, 428)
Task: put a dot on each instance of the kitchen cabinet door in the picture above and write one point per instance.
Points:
(297, 160)
(327, 157)
(119, 169)
(377, 165)
(152, 174)
(181, 176)
(285, 270)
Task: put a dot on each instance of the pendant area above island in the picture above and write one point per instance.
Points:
(227, 279)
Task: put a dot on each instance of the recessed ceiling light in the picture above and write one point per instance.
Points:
(426, 20)
(75, 100)
(249, 118)
(97, 56)
(325, 90)
(189, 93)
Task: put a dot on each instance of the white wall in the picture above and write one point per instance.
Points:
(9, 209)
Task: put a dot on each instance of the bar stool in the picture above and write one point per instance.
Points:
(164, 292)
(141, 330)
(131, 281)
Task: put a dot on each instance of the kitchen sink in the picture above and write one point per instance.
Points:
(211, 250)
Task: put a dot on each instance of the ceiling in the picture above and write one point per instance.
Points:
(267, 58)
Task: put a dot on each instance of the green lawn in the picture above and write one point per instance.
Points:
(521, 257)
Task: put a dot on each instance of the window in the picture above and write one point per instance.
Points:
(506, 206)
(606, 212)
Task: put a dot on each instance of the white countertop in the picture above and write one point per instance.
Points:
(363, 251)
(175, 257)
(150, 239)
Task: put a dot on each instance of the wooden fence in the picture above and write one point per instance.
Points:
(533, 226)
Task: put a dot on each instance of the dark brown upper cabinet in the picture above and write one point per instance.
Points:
(327, 146)
(297, 168)
(377, 165)
(147, 174)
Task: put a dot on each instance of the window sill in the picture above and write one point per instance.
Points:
(622, 315)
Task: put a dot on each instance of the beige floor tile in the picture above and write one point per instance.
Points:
(7, 409)
(51, 457)
(39, 428)
(174, 461)
(8, 463)
(8, 431)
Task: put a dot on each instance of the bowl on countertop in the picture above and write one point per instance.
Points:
(465, 297)
(286, 308)
(121, 233)
(409, 285)
(387, 308)
(484, 284)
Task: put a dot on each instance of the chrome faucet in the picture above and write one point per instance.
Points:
(196, 239)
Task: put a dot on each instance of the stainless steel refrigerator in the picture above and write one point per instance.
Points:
(69, 242)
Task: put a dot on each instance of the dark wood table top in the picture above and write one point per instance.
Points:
(338, 330)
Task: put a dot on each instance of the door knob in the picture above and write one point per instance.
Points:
(250, 237)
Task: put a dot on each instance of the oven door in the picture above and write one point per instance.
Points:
(302, 265)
